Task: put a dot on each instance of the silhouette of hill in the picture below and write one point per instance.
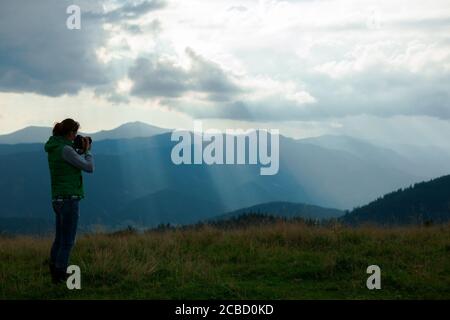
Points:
(287, 210)
(421, 203)
(246, 220)
(32, 134)
(35, 134)
(129, 130)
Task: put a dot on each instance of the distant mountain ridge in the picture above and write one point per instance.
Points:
(129, 171)
(36, 134)
(424, 202)
(32, 134)
(286, 210)
(129, 130)
(425, 162)
(136, 182)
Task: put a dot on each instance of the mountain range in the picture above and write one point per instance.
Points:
(35, 134)
(422, 203)
(136, 183)
(286, 210)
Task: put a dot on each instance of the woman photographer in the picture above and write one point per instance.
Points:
(66, 166)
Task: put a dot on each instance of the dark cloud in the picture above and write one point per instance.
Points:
(374, 92)
(129, 10)
(39, 54)
(382, 92)
(154, 77)
(207, 76)
(405, 79)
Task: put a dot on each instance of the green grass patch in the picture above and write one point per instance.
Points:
(286, 260)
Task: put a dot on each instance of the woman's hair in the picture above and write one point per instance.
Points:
(65, 127)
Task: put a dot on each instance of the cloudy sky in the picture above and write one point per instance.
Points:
(373, 69)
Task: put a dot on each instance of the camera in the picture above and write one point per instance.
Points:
(78, 142)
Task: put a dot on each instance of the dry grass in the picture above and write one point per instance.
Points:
(281, 261)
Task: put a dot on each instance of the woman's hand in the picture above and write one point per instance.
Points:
(86, 144)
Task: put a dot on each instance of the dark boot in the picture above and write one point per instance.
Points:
(60, 276)
(53, 272)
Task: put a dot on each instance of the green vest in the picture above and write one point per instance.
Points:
(66, 179)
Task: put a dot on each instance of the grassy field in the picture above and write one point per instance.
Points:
(281, 261)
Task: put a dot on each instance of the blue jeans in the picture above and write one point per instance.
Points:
(67, 213)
